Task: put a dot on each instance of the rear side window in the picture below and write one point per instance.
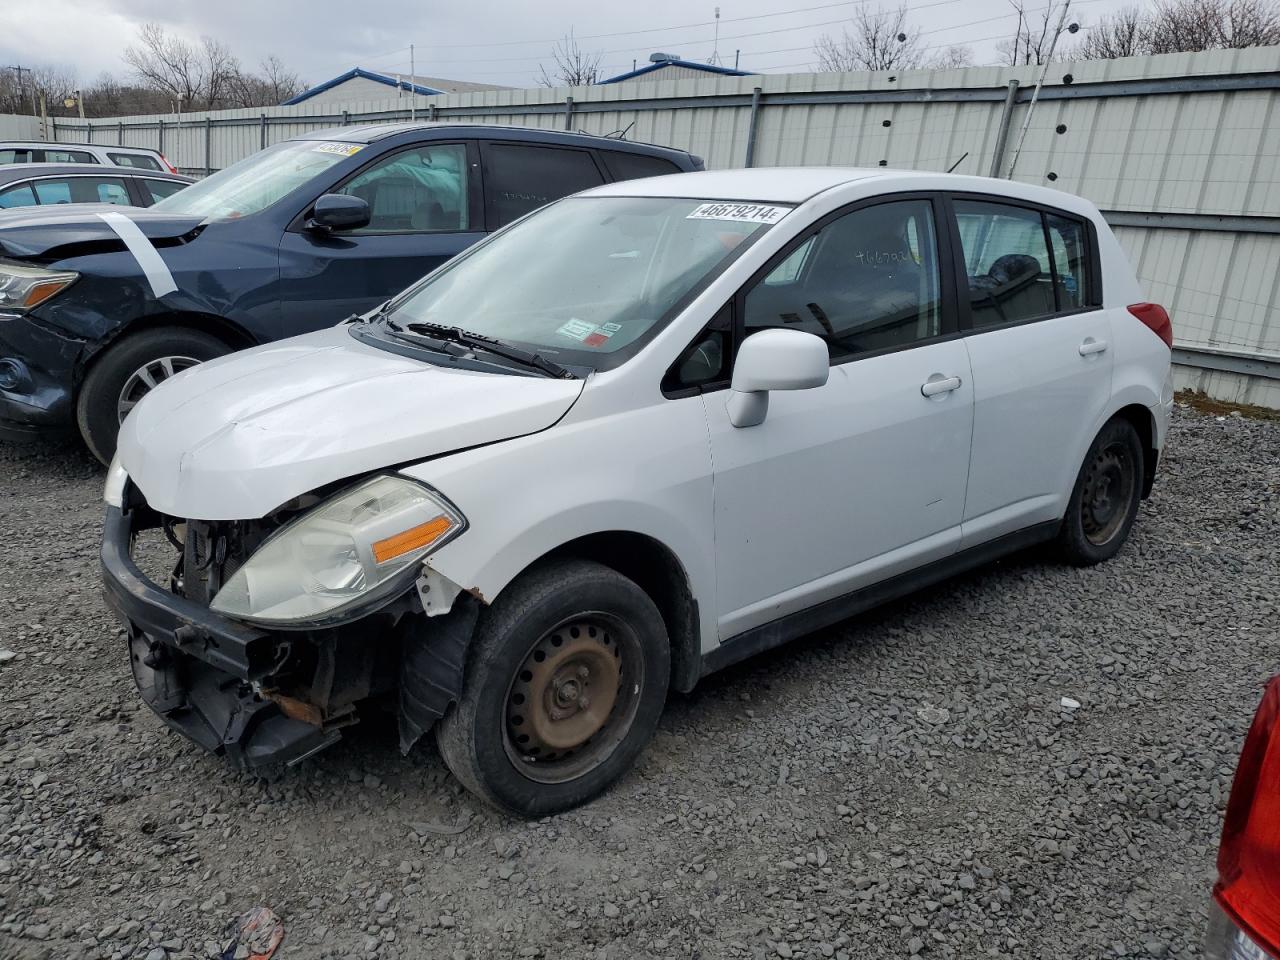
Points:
(1006, 258)
(633, 166)
(68, 156)
(519, 178)
(17, 196)
(15, 155)
(138, 161)
(1070, 259)
(81, 190)
(159, 189)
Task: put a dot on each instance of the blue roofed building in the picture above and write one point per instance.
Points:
(665, 66)
(358, 84)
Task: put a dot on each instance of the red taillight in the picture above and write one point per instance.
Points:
(1248, 886)
(1157, 320)
(172, 168)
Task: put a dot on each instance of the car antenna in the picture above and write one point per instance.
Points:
(958, 162)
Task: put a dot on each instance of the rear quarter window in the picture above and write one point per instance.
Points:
(68, 156)
(138, 161)
(633, 166)
(520, 178)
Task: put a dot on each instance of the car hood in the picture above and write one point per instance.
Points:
(44, 232)
(237, 437)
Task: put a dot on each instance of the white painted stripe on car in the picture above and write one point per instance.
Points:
(157, 272)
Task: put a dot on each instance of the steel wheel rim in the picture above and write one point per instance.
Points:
(549, 733)
(1108, 491)
(146, 378)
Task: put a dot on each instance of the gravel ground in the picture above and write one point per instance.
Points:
(909, 782)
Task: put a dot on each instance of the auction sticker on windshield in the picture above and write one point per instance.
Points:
(741, 212)
(342, 149)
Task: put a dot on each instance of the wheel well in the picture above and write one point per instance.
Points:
(655, 569)
(230, 333)
(1143, 422)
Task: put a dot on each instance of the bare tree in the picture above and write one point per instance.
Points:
(1033, 38)
(272, 85)
(951, 57)
(23, 94)
(573, 68)
(879, 40)
(1125, 34)
(200, 74)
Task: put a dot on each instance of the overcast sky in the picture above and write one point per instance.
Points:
(479, 40)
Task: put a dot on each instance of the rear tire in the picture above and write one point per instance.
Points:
(1104, 501)
(119, 378)
(565, 683)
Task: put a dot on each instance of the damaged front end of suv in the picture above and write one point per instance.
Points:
(273, 634)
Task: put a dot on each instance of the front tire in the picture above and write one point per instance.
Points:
(1104, 501)
(565, 683)
(129, 370)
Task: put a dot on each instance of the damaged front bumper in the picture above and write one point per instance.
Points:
(269, 699)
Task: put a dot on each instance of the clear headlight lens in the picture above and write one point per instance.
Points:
(23, 287)
(340, 553)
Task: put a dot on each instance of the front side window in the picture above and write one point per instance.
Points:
(415, 191)
(1007, 262)
(259, 180)
(17, 196)
(68, 156)
(584, 279)
(866, 281)
(519, 178)
(138, 161)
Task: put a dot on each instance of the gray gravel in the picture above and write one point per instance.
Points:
(1030, 761)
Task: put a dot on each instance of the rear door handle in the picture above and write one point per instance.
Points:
(1091, 346)
(939, 384)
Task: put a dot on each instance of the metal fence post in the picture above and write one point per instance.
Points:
(88, 132)
(751, 127)
(1002, 135)
(346, 118)
(160, 138)
(435, 112)
(120, 133)
(262, 133)
(568, 113)
(208, 142)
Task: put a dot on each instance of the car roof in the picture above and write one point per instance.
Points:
(11, 172)
(373, 132)
(798, 184)
(55, 144)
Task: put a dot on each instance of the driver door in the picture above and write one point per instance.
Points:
(425, 208)
(863, 478)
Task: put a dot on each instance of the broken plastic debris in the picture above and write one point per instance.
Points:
(255, 935)
(1069, 704)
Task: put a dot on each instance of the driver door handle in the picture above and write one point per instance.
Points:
(1091, 346)
(939, 384)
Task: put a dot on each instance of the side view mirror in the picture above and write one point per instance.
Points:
(774, 360)
(339, 211)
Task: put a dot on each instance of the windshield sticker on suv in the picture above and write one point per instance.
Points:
(741, 212)
(341, 149)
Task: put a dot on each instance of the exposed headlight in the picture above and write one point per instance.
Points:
(351, 548)
(113, 490)
(22, 287)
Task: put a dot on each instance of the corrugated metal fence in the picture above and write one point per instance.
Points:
(1181, 151)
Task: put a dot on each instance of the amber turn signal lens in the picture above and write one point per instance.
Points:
(41, 292)
(412, 539)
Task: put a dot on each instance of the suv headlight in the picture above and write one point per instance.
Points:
(23, 287)
(357, 546)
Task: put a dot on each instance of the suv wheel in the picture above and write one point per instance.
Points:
(566, 680)
(1105, 499)
(127, 372)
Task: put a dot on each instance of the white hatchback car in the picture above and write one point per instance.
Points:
(640, 434)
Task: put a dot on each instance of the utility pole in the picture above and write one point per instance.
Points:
(1035, 94)
(18, 69)
(714, 59)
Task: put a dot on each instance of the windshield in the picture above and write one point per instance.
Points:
(585, 278)
(257, 181)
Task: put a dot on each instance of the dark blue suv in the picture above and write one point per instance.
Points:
(98, 304)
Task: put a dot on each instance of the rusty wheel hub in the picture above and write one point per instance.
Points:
(565, 693)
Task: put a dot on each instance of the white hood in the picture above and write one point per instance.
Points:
(235, 438)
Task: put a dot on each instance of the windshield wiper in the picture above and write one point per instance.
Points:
(477, 341)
